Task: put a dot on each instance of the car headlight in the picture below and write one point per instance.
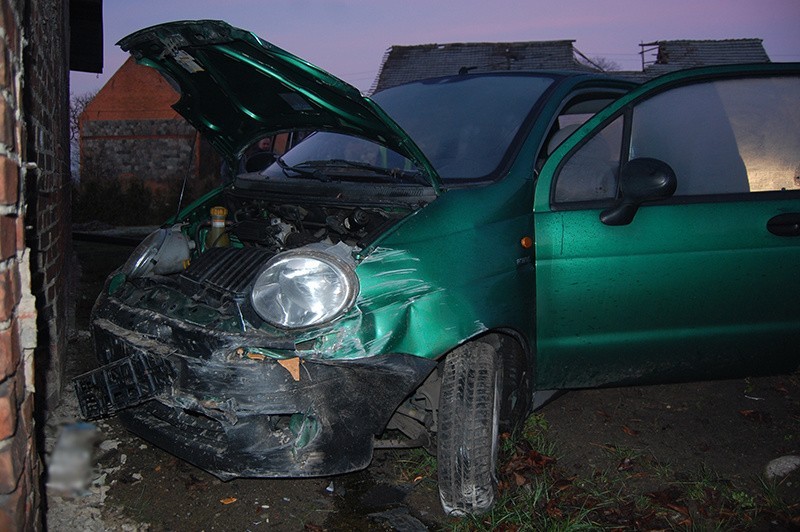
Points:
(301, 288)
(163, 251)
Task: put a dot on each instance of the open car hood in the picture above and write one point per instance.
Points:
(236, 88)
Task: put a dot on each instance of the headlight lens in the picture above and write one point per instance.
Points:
(163, 252)
(299, 289)
(141, 261)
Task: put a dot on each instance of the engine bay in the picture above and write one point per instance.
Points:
(283, 226)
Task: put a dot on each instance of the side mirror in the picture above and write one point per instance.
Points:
(640, 180)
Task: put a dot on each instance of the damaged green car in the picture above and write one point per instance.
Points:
(428, 263)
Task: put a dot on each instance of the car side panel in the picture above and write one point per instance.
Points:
(684, 292)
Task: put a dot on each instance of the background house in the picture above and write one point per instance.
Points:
(677, 55)
(402, 64)
(129, 131)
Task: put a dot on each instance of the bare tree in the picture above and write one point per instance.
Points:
(77, 104)
(603, 64)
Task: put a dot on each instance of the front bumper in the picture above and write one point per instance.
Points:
(238, 417)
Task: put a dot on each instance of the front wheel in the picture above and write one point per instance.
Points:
(469, 416)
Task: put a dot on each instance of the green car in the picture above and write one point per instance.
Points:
(430, 263)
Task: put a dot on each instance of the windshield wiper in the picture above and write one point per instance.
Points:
(313, 169)
(396, 173)
(313, 174)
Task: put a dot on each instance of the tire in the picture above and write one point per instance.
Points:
(469, 414)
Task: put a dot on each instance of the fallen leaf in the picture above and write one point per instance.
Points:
(780, 388)
(603, 414)
(755, 416)
(527, 462)
(228, 500)
(519, 480)
(552, 510)
(629, 431)
(680, 509)
(313, 528)
(664, 497)
(563, 483)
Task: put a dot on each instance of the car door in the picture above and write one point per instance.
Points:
(700, 284)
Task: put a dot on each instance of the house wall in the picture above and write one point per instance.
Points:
(34, 240)
(151, 150)
(129, 130)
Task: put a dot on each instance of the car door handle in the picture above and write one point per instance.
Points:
(787, 224)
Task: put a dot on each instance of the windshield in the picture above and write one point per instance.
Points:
(331, 156)
(464, 125)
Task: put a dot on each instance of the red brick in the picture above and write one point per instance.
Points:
(8, 237)
(12, 461)
(12, 509)
(20, 233)
(25, 412)
(134, 92)
(5, 65)
(9, 23)
(9, 350)
(8, 408)
(9, 181)
(7, 122)
(9, 293)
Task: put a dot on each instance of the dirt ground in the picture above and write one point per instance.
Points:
(727, 431)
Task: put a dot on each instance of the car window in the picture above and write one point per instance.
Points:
(464, 125)
(724, 137)
(590, 174)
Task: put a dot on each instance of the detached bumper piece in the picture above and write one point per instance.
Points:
(121, 384)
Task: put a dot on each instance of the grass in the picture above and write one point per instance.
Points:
(414, 465)
(630, 490)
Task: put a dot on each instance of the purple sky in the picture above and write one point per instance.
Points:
(349, 37)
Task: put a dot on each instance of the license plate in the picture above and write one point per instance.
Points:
(121, 384)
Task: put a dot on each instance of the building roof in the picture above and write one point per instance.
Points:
(680, 54)
(134, 92)
(402, 64)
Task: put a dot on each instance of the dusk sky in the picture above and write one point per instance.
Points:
(349, 37)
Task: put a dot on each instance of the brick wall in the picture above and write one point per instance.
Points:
(151, 150)
(49, 235)
(34, 240)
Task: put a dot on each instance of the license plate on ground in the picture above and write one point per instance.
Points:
(121, 384)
